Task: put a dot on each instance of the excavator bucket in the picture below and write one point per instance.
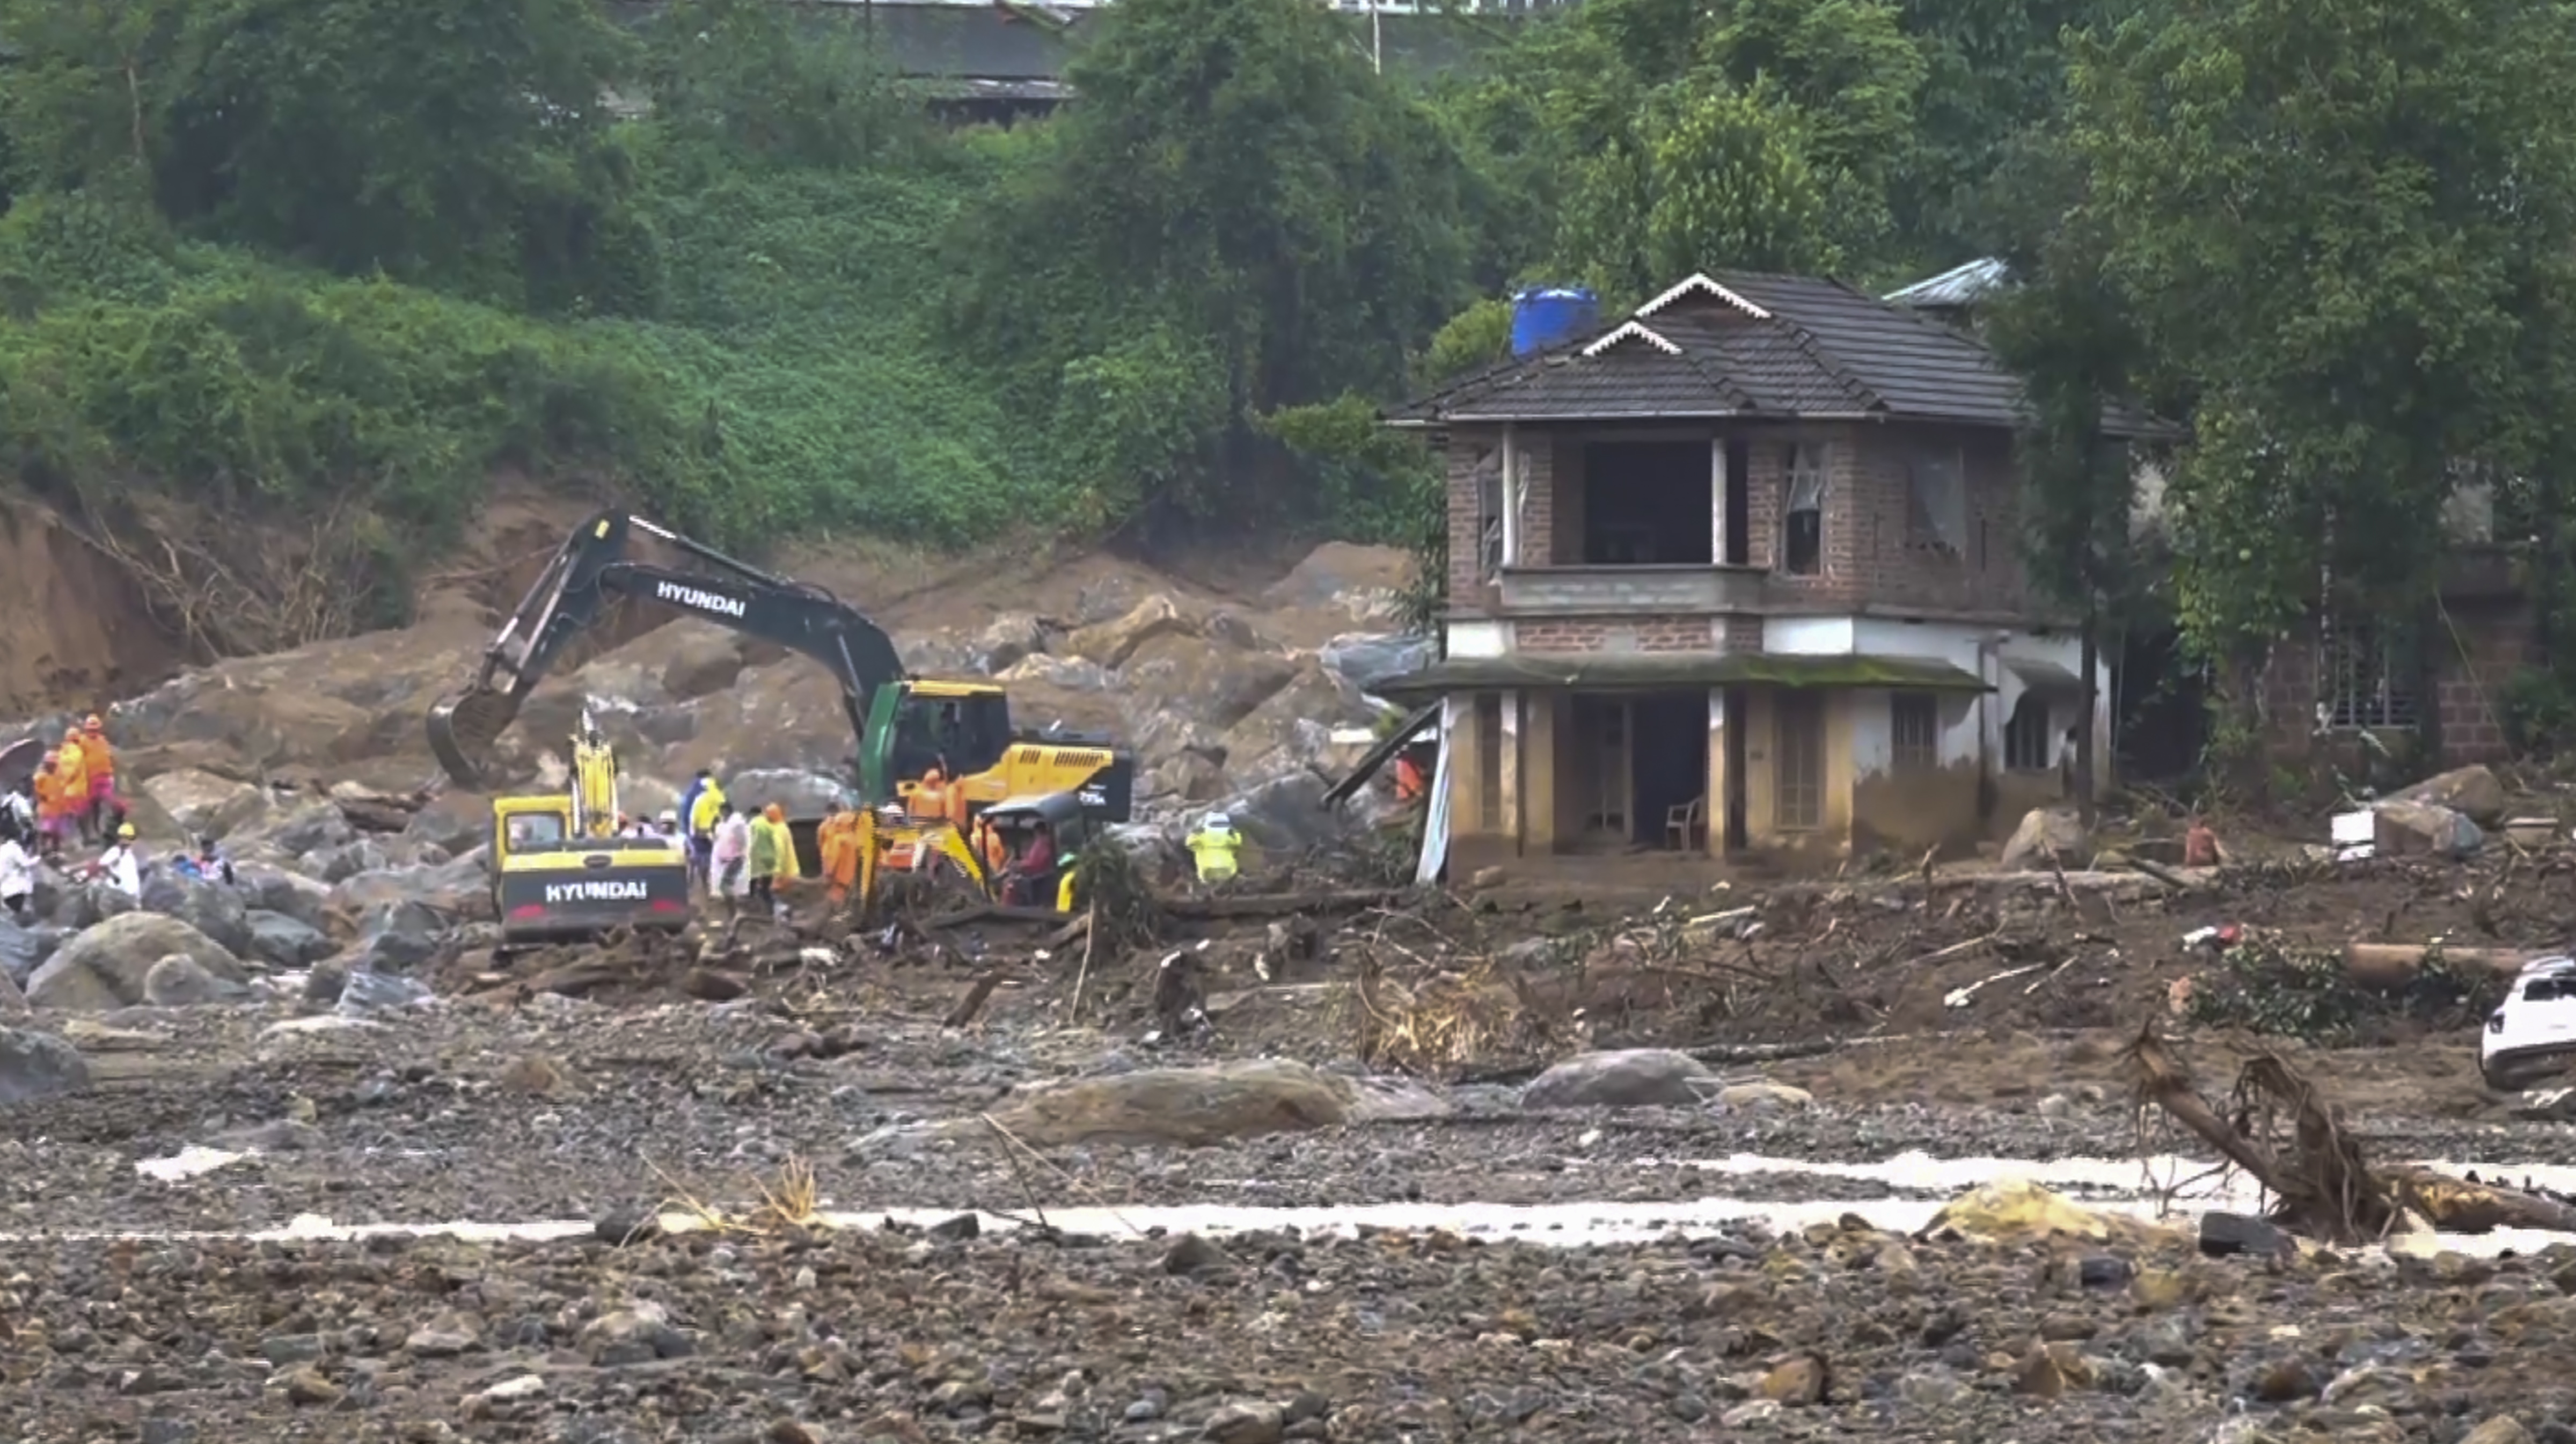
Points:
(463, 729)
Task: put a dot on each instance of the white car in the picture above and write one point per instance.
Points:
(2532, 1035)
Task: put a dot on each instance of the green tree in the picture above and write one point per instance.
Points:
(2337, 222)
(462, 142)
(1232, 171)
(2067, 333)
(744, 78)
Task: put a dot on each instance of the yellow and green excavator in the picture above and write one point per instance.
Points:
(560, 871)
(903, 726)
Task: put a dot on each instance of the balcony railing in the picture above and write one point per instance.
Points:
(1687, 590)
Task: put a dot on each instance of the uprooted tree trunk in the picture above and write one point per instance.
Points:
(2287, 1137)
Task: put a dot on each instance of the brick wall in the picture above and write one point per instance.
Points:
(1616, 634)
(2470, 676)
(1468, 446)
(1869, 552)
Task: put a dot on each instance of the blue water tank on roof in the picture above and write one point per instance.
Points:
(1543, 316)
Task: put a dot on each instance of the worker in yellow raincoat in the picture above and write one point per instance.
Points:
(1217, 848)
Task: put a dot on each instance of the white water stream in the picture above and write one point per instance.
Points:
(2126, 1186)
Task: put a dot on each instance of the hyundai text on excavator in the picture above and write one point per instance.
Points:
(903, 726)
(559, 870)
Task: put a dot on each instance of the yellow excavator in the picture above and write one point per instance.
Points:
(560, 871)
(903, 725)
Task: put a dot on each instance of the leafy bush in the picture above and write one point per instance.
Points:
(2265, 987)
(2538, 710)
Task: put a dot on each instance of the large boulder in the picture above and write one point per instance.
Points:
(1193, 1106)
(1008, 639)
(269, 888)
(452, 820)
(2422, 829)
(23, 949)
(300, 829)
(1622, 1078)
(397, 937)
(1208, 682)
(801, 793)
(104, 968)
(202, 804)
(211, 908)
(1363, 583)
(1073, 674)
(2045, 831)
(284, 942)
(87, 904)
(339, 864)
(1365, 659)
(2473, 792)
(1112, 642)
(38, 1065)
(13, 999)
(700, 659)
(178, 981)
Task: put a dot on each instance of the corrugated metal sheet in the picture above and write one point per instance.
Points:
(1958, 286)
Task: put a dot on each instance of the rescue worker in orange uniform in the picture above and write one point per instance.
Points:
(838, 839)
(71, 775)
(990, 847)
(52, 819)
(101, 761)
(929, 797)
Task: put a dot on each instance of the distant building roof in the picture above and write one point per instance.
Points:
(1956, 287)
(1752, 346)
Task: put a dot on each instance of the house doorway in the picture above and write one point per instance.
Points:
(1798, 761)
(1646, 503)
(1638, 762)
(1671, 768)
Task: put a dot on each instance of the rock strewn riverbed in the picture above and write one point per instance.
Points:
(1838, 1332)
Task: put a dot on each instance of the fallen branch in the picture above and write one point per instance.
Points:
(2394, 965)
(1090, 933)
(973, 1003)
(572, 981)
(1955, 949)
(1266, 905)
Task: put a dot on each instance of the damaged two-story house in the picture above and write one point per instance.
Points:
(1743, 574)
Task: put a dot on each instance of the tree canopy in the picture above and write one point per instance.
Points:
(278, 252)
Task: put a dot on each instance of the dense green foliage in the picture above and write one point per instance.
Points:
(264, 253)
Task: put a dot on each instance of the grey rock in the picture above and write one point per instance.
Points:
(1626, 1078)
(211, 908)
(38, 1065)
(179, 981)
(24, 949)
(339, 864)
(105, 967)
(284, 942)
(266, 888)
(1364, 659)
(302, 828)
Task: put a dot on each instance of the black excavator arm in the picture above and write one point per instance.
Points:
(592, 569)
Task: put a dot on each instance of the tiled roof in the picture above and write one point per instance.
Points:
(1739, 344)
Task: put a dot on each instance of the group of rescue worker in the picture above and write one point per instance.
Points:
(734, 853)
(71, 797)
(73, 792)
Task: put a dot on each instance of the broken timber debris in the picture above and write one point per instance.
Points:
(2323, 1187)
(2394, 965)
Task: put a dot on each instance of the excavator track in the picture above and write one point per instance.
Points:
(463, 730)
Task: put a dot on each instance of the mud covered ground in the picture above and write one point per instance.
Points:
(549, 1107)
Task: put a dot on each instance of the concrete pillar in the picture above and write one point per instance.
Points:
(1541, 747)
(1511, 826)
(1717, 500)
(1717, 763)
(1466, 772)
